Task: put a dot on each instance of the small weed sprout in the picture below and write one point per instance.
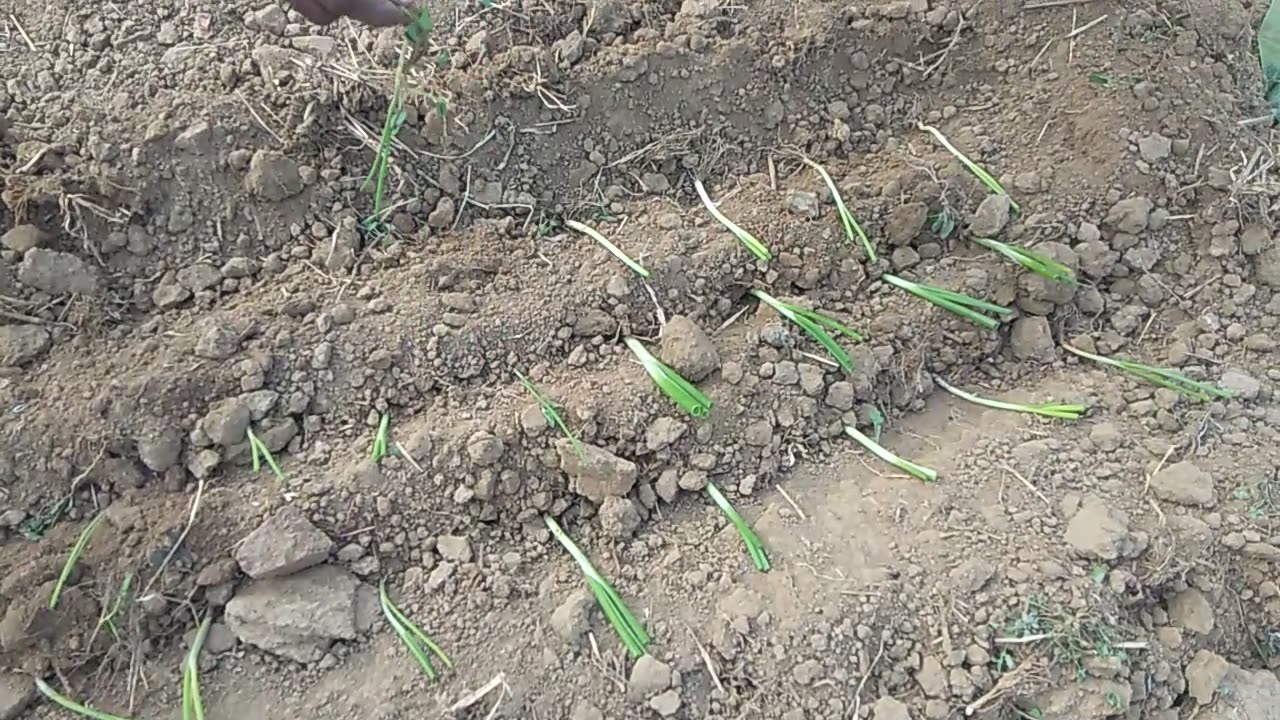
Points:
(76, 551)
(757, 248)
(624, 622)
(681, 391)
(260, 452)
(614, 250)
(1062, 411)
(917, 471)
(1163, 377)
(379, 450)
(192, 703)
(813, 323)
(755, 548)
(1035, 262)
(411, 635)
(67, 703)
(111, 612)
(992, 184)
(550, 412)
(852, 230)
(969, 308)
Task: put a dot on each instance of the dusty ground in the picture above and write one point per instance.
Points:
(183, 259)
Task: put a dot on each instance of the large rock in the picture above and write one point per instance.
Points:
(273, 176)
(1229, 692)
(57, 273)
(21, 344)
(286, 543)
(688, 350)
(597, 473)
(298, 617)
(16, 693)
(1185, 484)
(1099, 531)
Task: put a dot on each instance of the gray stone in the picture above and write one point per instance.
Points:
(17, 691)
(759, 433)
(57, 273)
(22, 344)
(226, 422)
(298, 617)
(1190, 610)
(1032, 339)
(22, 238)
(484, 449)
(200, 276)
(570, 618)
(1204, 675)
(1184, 483)
(1130, 216)
(991, 216)
(662, 432)
(649, 678)
(619, 517)
(889, 708)
(1154, 148)
(666, 704)
(687, 349)
(454, 547)
(1240, 384)
(932, 678)
(273, 176)
(1100, 531)
(285, 543)
(218, 342)
(160, 450)
(1252, 694)
(840, 395)
(597, 473)
(905, 223)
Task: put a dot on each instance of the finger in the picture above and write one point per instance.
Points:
(314, 10)
(379, 13)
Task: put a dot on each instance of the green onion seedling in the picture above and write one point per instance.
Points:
(1033, 261)
(681, 391)
(624, 622)
(1163, 377)
(379, 450)
(108, 619)
(550, 412)
(411, 635)
(261, 452)
(192, 703)
(1061, 411)
(813, 323)
(590, 232)
(755, 548)
(757, 248)
(852, 230)
(969, 308)
(67, 703)
(76, 551)
(992, 184)
(918, 471)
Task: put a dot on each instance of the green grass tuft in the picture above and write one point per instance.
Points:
(681, 391)
(192, 703)
(260, 453)
(590, 232)
(852, 230)
(755, 548)
(1032, 261)
(919, 471)
(67, 703)
(550, 412)
(624, 622)
(379, 450)
(992, 184)
(969, 308)
(757, 248)
(1170, 379)
(1061, 411)
(813, 323)
(411, 635)
(76, 551)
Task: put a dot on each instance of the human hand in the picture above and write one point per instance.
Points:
(379, 13)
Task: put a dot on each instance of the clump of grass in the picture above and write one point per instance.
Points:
(379, 450)
(852, 230)
(76, 551)
(918, 471)
(1033, 261)
(260, 452)
(624, 622)
(969, 308)
(1163, 377)
(550, 412)
(411, 635)
(992, 184)
(681, 391)
(755, 548)
(34, 527)
(1062, 411)
(815, 325)
(614, 250)
(67, 703)
(757, 248)
(192, 703)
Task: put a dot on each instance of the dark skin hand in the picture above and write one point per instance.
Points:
(378, 13)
